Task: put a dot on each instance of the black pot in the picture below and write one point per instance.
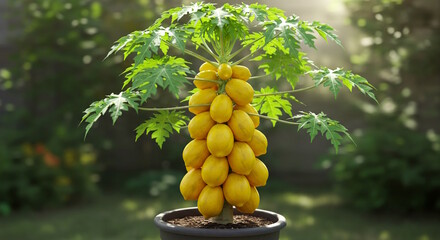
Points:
(173, 232)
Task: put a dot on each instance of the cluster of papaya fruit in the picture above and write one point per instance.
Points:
(222, 158)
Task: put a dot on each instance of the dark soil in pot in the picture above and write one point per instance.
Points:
(188, 224)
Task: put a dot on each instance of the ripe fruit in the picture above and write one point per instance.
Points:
(259, 174)
(249, 109)
(241, 125)
(210, 202)
(252, 204)
(221, 159)
(241, 72)
(200, 125)
(195, 153)
(207, 74)
(242, 158)
(215, 171)
(207, 66)
(221, 108)
(236, 189)
(239, 91)
(220, 140)
(258, 143)
(204, 96)
(224, 71)
(192, 184)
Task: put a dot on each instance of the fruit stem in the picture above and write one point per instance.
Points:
(274, 119)
(226, 216)
(172, 108)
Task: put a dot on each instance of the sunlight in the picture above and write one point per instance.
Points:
(305, 201)
(130, 205)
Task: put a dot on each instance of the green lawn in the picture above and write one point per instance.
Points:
(311, 214)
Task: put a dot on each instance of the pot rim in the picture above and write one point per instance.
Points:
(274, 227)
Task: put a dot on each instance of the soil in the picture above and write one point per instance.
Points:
(240, 221)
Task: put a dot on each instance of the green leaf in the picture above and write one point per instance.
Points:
(335, 79)
(272, 105)
(325, 31)
(186, 99)
(315, 123)
(161, 125)
(166, 72)
(114, 103)
(282, 65)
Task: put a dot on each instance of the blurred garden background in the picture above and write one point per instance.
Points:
(56, 185)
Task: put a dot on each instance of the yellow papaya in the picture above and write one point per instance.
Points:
(210, 202)
(215, 171)
(208, 75)
(221, 108)
(224, 71)
(204, 96)
(242, 158)
(252, 204)
(200, 125)
(220, 140)
(258, 143)
(259, 174)
(241, 72)
(195, 153)
(236, 189)
(249, 109)
(239, 91)
(192, 184)
(241, 125)
(207, 66)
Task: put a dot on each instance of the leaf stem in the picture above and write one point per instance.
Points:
(251, 54)
(205, 80)
(172, 108)
(274, 119)
(285, 92)
(259, 76)
(189, 52)
(244, 47)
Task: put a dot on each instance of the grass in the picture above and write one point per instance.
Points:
(311, 214)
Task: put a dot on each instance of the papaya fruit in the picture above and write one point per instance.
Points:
(207, 66)
(258, 143)
(204, 96)
(249, 109)
(236, 189)
(241, 72)
(192, 184)
(220, 140)
(252, 204)
(259, 174)
(224, 71)
(221, 108)
(239, 91)
(200, 125)
(241, 125)
(215, 170)
(208, 75)
(242, 158)
(210, 202)
(195, 153)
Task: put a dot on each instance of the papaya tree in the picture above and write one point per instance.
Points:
(221, 160)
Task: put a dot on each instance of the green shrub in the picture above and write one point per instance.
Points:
(393, 167)
(154, 183)
(33, 177)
